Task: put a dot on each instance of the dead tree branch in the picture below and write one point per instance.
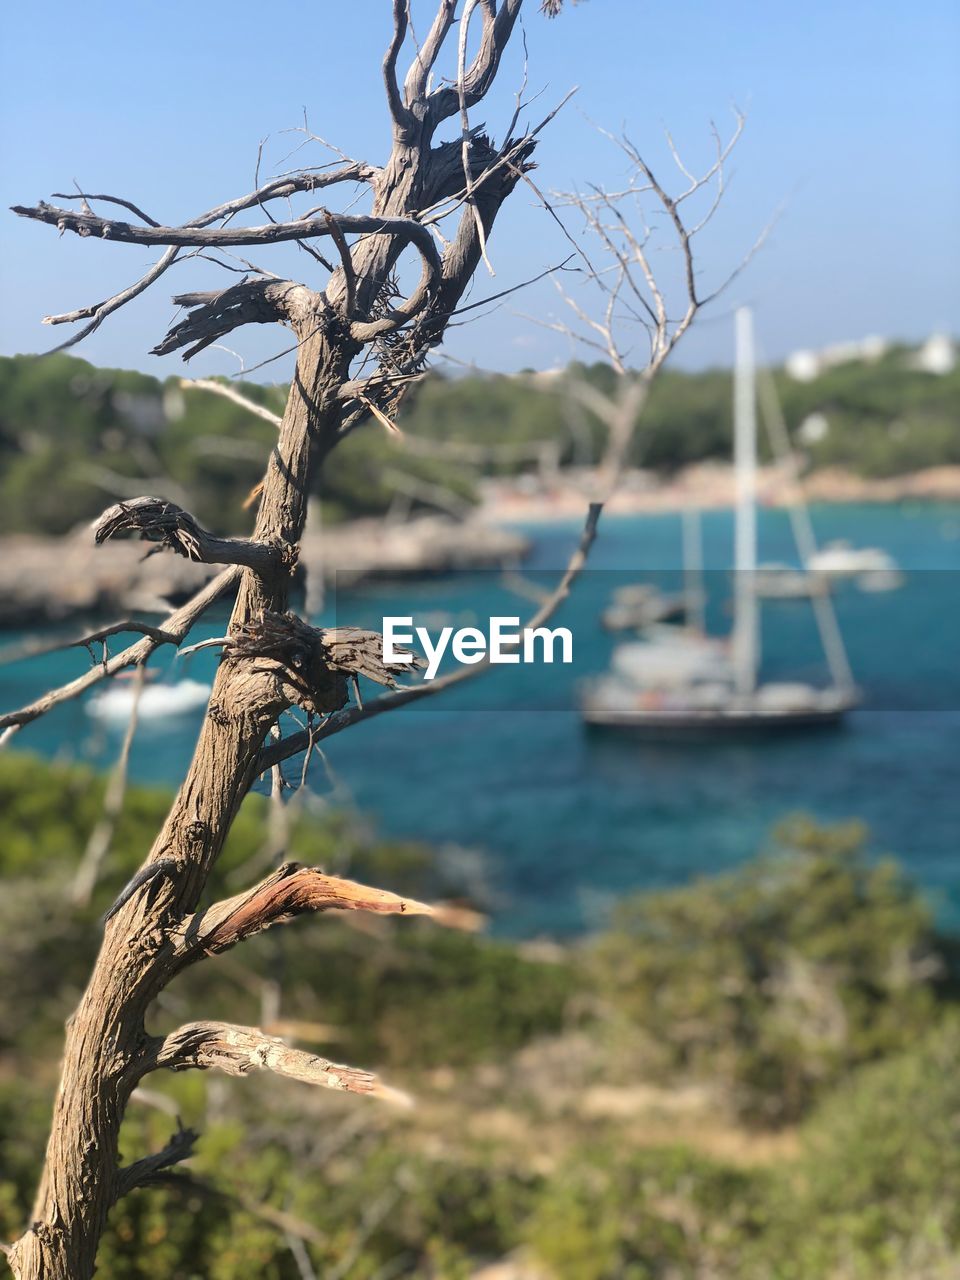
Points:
(627, 294)
(230, 393)
(85, 880)
(631, 291)
(237, 1051)
(143, 1173)
(167, 525)
(189, 235)
(398, 109)
(175, 627)
(36, 648)
(292, 890)
(279, 188)
(211, 315)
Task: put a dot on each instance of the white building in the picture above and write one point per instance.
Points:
(937, 355)
(804, 366)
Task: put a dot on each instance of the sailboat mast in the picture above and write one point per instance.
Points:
(693, 588)
(745, 538)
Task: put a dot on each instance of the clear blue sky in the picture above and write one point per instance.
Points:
(854, 124)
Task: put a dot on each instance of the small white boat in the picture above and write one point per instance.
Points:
(157, 701)
(873, 568)
(842, 557)
(640, 604)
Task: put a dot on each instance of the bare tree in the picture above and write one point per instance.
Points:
(359, 346)
(624, 298)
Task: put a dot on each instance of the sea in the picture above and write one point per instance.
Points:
(554, 823)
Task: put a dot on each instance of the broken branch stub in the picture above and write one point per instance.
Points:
(150, 1169)
(212, 315)
(237, 1051)
(290, 891)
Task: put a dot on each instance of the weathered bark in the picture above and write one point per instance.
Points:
(164, 523)
(237, 1051)
(153, 932)
(290, 891)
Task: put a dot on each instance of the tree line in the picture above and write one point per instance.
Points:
(72, 435)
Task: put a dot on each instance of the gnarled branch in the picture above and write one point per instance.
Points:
(398, 110)
(292, 890)
(277, 188)
(148, 1170)
(203, 237)
(316, 663)
(164, 523)
(223, 1046)
(415, 85)
(406, 230)
(497, 27)
(249, 302)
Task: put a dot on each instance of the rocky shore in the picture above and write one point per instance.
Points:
(51, 580)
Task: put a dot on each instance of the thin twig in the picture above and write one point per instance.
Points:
(98, 846)
(230, 393)
(176, 626)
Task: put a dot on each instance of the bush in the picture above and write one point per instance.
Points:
(611, 1214)
(877, 1189)
(776, 979)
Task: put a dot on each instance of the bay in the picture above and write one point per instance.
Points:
(564, 821)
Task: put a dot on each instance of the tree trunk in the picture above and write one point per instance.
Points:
(107, 1045)
(106, 1036)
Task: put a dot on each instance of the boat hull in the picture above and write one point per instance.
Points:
(690, 727)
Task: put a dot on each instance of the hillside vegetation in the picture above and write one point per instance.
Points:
(73, 438)
(750, 1077)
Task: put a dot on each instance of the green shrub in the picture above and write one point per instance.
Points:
(612, 1214)
(876, 1191)
(775, 979)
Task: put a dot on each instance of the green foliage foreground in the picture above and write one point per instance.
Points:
(753, 1076)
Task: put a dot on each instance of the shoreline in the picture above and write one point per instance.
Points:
(47, 581)
(707, 486)
(52, 580)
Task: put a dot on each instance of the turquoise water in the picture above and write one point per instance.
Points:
(566, 821)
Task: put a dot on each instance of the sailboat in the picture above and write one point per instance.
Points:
(697, 686)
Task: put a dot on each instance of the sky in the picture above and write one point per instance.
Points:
(852, 143)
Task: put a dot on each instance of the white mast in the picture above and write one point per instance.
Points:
(745, 461)
(693, 590)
